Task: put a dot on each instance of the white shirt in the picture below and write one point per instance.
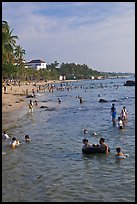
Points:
(120, 123)
(5, 136)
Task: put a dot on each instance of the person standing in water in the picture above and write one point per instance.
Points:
(80, 99)
(59, 100)
(113, 113)
(120, 123)
(31, 106)
(124, 113)
(103, 145)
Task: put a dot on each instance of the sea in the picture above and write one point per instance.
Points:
(52, 167)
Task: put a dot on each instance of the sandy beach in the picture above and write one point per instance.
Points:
(14, 103)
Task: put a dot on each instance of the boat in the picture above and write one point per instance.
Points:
(129, 83)
(94, 149)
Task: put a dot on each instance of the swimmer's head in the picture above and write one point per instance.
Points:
(101, 140)
(118, 149)
(85, 131)
(26, 136)
(85, 141)
(94, 133)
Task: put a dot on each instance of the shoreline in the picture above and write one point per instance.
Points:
(15, 103)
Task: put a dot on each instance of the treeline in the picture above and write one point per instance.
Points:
(13, 66)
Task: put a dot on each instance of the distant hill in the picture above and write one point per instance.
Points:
(117, 74)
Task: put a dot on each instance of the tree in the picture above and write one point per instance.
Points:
(19, 52)
(8, 43)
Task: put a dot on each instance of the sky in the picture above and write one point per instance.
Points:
(98, 34)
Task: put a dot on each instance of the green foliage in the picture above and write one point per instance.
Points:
(9, 71)
(77, 71)
(11, 52)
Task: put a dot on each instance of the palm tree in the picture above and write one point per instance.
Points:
(8, 43)
(5, 26)
(18, 53)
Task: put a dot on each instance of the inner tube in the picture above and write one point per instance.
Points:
(120, 157)
(94, 149)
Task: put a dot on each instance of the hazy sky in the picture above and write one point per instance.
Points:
(98, 34)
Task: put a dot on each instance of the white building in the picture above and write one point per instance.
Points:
(92, 77)
(37, 64)
(62, 77)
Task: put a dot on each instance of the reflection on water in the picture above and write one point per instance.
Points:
(52, 168)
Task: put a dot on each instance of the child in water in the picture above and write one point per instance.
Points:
(119, 154)
(120, 123)
(14, 142)
(27, 138)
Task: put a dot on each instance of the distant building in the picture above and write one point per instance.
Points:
(62, 77)
(37, 64)
(92, 77)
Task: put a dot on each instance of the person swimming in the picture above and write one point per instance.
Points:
(94, 133)
(5, 136)
(119, 153)
(14, 142)
(27, 138)
(85, 131)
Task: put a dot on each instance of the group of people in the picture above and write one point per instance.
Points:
(14, 141)
(102, 144)
(121, 119)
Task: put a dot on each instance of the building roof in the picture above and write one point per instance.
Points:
(37, 61)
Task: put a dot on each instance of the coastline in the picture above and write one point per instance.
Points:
(15, 103)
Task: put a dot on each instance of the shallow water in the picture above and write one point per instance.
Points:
(52, 168)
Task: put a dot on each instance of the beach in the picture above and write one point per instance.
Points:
(14, 103)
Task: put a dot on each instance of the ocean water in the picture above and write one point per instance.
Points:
(52, 168)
